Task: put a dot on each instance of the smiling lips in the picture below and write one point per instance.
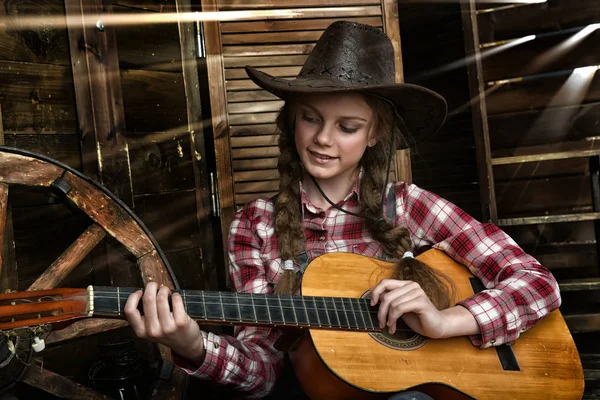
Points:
(320, 158)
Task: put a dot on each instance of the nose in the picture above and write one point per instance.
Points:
(324, 135)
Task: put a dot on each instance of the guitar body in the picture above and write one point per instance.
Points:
(354, 365)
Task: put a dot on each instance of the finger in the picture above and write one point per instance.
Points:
(132, 314)
(165, 317)
(149, 302)
(384, 286)
(409, 302)
(180, 316)
(389, 297)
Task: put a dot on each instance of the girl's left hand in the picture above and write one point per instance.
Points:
(407, 300)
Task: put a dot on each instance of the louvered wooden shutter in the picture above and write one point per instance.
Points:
(243, 115)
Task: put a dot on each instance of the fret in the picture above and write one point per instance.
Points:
(366, 311)
(247, 309)
(301, 316)
(362, 317)
(184, 298)
(275, 310)
(261, 309)
(311, 313)
(214, 306)
(118, 302)
(341, 315)
(253, 307)
(332, 312)
(239, 310)
(347, 304)
(230, 310)
(289, 313)
(317, 311)
(322, 311)
(204, 305)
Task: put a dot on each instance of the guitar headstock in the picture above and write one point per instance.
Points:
(58, 307)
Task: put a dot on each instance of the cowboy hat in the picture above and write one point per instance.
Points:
(355, 57)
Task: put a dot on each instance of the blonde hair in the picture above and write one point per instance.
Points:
(394, 239)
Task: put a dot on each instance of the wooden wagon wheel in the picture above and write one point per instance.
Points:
(110, 216)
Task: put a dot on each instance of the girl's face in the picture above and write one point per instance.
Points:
(332, 133)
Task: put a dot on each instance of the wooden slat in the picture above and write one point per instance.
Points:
(97, 83)
(245, 119)
(264, 61)
(219, 118)
(254, 107)
(254, 141)
(245, 198)
(18, 169)
(68, 260)
(249, 176)
(558, 151)
(39, 101)
(255, 152)
(271, 37)
(257, 187)
(241, 84)
(214, 277)
(549, 219)
(252, 130)
(250, 96)
(480, 111)
(267, 50)
(304, 24)
(583, 322)
(580, 284)
(286, 72)
(251, 4)
(256, 164)
(537, 56)
(530, 128)
(538, 94)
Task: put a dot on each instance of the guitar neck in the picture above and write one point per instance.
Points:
(232, 308)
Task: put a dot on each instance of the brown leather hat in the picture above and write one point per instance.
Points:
(357, 57)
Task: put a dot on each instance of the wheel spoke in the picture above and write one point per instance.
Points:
(71, 258)
(84, 328)
(60, 386)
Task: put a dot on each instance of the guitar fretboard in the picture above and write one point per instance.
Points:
(256, 309)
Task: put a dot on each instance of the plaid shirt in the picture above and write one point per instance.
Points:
(519, 290)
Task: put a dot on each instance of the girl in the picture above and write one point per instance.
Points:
(343, 117)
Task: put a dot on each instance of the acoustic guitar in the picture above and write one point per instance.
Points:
(345, 355)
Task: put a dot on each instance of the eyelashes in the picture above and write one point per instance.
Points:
(343, 128)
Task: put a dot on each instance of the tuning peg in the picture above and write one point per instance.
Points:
(11, 346)
(38, 344)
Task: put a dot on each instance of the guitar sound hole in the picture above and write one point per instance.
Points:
(404, 338)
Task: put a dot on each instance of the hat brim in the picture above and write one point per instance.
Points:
(422, 110)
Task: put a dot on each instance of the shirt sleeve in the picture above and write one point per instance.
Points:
(248, 361)
(519, 291)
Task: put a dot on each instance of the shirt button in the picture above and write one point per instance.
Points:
(322, 238)
(216, 345)
(493, 341)
(322, 214)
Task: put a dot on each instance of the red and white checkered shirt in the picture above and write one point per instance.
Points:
(519, 290)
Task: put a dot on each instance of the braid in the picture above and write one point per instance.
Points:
(288, 217)
(395, 239)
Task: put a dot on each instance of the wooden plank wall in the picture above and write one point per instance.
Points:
(243, 114)
(556, 116)
(39, 114)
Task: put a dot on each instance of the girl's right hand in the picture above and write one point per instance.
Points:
(175, 329)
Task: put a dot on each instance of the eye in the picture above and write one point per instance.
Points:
(309, 118)
(348, 129)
